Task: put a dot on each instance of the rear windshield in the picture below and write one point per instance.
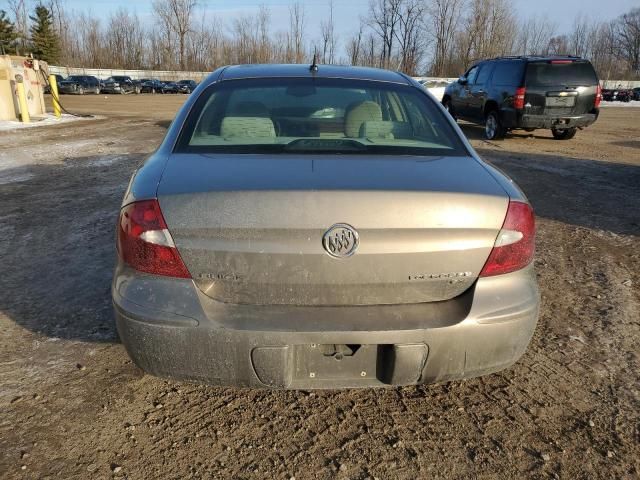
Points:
(554, 74)
(317, 116)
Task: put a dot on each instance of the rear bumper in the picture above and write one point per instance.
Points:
(560, 121)
(279, 347)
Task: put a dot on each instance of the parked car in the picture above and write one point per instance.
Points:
(170, 87)
(636, 93)
(617, 95)
(186, 86)
(152, 86)
(79, 84)
(507, 93)
(47, 87)
(321, 228)
(120, 84)
(624, 95)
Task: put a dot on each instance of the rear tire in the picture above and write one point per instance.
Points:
(566, 134)
(493, 129)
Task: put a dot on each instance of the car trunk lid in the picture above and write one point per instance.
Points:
(250, 227)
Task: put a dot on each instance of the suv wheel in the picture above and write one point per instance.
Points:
(97, 91)
(565, 134)
(80, 90)
(493, 128)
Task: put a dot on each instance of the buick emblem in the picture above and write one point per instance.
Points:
(341, 240)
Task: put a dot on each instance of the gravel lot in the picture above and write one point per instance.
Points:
(72, 405)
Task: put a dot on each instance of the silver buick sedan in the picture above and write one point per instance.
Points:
(321, 227)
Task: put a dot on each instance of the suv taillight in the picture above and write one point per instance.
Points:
(598, 96)
(514, 247)
(144, 242)
(518, 99)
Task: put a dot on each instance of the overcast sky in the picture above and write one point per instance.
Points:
(347, 12)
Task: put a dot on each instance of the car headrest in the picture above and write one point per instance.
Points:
(247, 127)
(359, 113)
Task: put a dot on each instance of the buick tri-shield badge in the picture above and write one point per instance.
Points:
(341, 240)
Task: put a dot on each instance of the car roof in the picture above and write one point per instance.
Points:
(236, 72)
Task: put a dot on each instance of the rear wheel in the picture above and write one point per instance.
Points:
(493, 128)
(565, 134)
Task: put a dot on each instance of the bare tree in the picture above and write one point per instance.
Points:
(558, 45)
(384, 17)
(444, 16)
(535, 35)
(176, 17)
(296, 32)
(263, 22)
(409, 35)
(21, 21)
(579, 36)
(627, 36)
(124, 39)
(354, 46)
(328, 34)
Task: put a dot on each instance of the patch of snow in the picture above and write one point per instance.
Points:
(104, 161)
(633, 103)
(437, 92)
(49, 119)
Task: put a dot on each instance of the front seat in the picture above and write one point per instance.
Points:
(359, 113)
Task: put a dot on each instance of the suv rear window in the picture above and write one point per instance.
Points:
(322, 115)
(554, 73)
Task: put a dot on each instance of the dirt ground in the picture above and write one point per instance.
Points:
(72, 405)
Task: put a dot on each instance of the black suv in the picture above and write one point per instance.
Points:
(79, 84)
(507, 93)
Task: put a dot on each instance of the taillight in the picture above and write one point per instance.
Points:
(514, 247)
(518, 99)
(144, 242)
(598, 96)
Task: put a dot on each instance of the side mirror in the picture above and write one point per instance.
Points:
(462, 81)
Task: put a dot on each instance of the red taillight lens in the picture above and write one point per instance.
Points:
(144, 242)
(518, 99)
(514, 247)
(598, 96)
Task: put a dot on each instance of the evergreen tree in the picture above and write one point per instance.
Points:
(45, 42)
(8, 34)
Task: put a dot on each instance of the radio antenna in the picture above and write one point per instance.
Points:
(314, 65)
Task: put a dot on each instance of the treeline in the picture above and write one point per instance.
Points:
(420, 37)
